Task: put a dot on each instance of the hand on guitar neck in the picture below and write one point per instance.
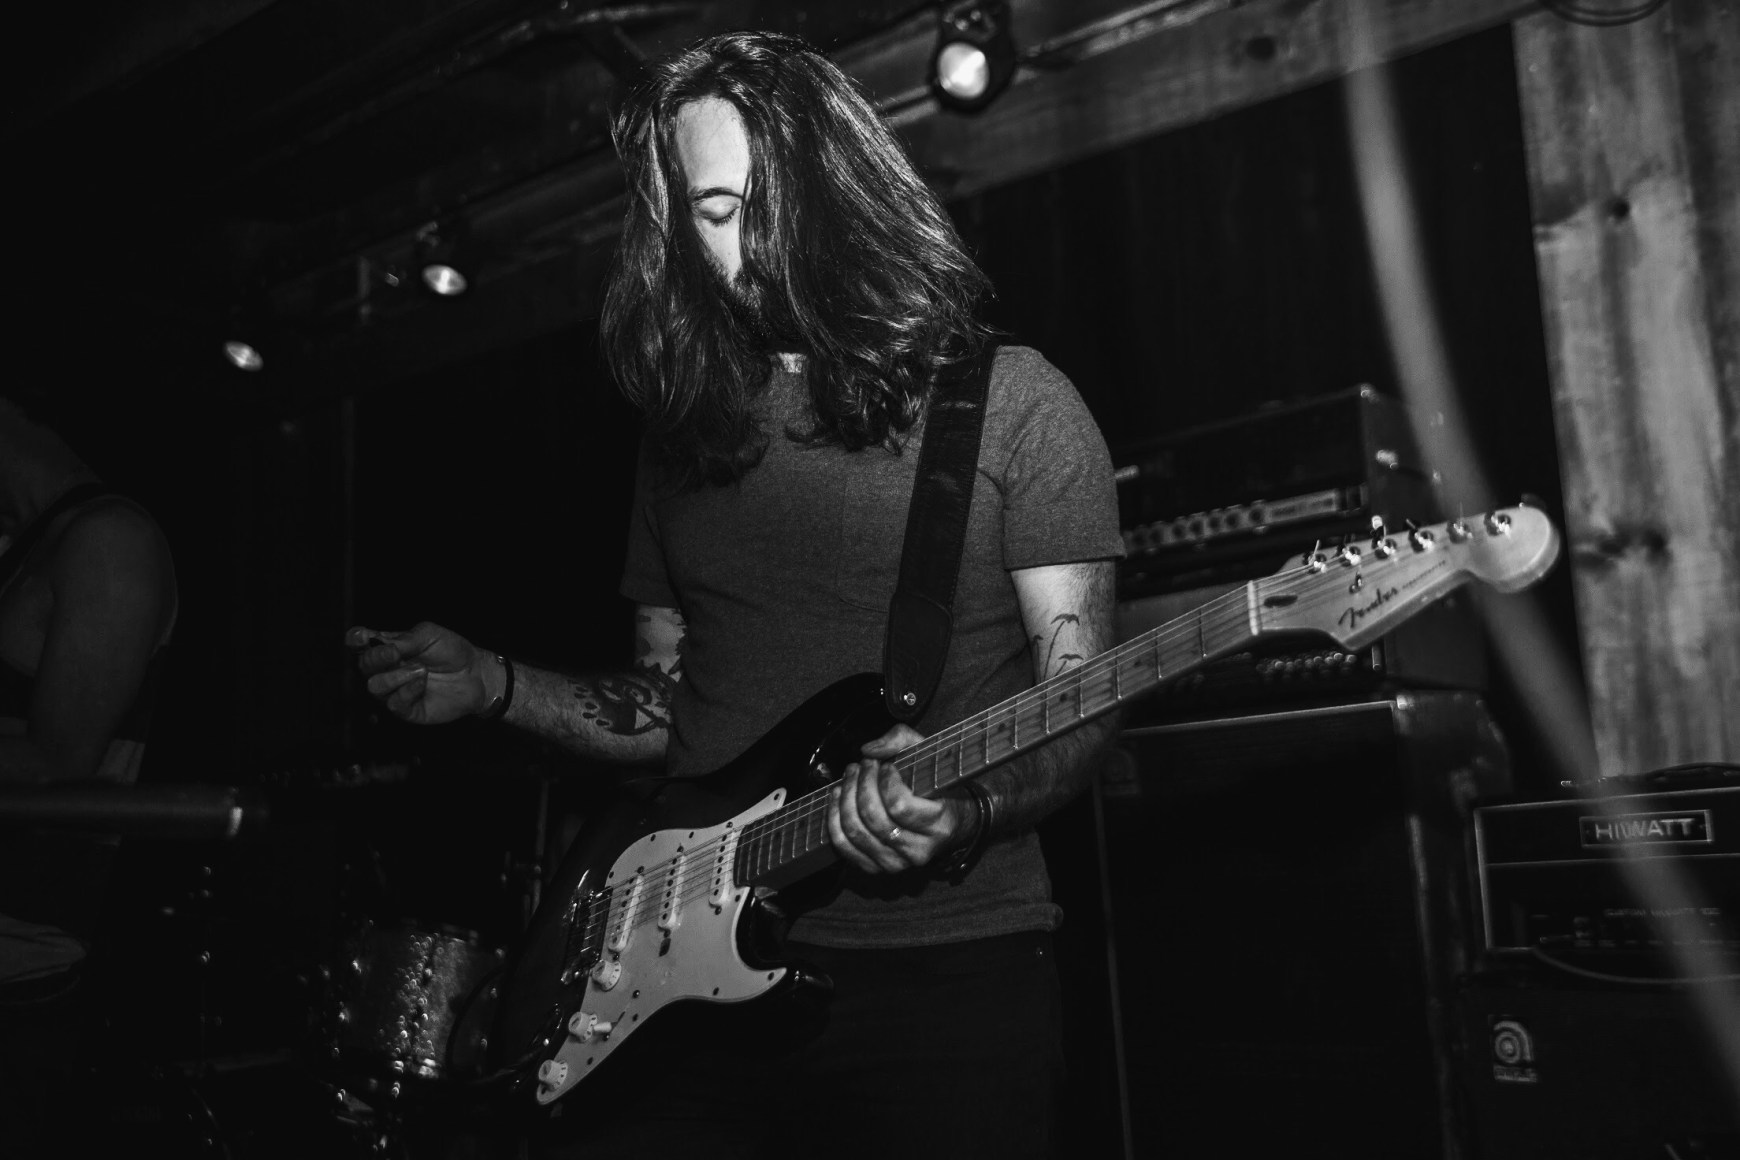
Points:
(879, 825)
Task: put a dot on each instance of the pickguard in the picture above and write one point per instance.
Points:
(670, 933)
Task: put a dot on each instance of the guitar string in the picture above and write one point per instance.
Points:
(1222, 612)
(1078, 688)
(810, 809)
(1011, 714)
(1020, 710)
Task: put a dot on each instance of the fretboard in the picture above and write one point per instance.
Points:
(1024, 722)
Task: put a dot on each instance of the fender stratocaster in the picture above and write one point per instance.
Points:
(662, 902)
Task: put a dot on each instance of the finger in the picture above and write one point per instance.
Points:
(387, 683)
(838, 837)
(899, 737)
(409, 694)
(884, 833)
(904, 808)
(859, 831)
(379, 657)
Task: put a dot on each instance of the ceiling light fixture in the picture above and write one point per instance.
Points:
(243, 337)
(441, 258)
(244, 355)
(975, 54)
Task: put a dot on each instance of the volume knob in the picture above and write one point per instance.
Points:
(553, 1073)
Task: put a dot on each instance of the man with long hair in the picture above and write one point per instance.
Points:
(787, 294)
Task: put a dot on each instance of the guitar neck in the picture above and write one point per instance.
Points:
(798, 833)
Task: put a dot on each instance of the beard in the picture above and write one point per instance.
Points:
(756, 312)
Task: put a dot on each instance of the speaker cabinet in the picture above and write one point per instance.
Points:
(1289, 895)
(1558, 1068)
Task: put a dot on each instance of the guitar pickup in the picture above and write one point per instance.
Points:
(622, 913)
(726, 858)
(671, 905)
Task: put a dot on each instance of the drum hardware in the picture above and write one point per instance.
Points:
(407, 1008)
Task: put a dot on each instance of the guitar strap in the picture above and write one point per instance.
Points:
(921, 615)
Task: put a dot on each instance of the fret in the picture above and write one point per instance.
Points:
(1117, 686)
(1015, 728)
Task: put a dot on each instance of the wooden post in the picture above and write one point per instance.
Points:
(1634, 166)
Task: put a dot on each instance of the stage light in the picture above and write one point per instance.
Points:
(975, 54)
(244, 355)
(441, 258)
(243, 334)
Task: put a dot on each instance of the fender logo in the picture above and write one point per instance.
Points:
(1356, 612)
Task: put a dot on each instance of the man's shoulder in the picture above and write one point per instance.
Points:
(1016, 360)
(112, 531)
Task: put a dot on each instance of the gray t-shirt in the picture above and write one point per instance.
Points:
(784, 577)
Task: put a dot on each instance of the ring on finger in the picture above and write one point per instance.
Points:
(892, 836)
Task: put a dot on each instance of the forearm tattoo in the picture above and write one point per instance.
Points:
(628, 704)
(1058, 656)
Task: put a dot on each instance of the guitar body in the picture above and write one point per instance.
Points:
(646, 911)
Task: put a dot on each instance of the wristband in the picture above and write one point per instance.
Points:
(964, 858)
(497, 708)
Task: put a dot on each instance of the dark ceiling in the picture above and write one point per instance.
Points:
(173, 163)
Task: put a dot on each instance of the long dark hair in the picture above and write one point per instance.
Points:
(851, 256)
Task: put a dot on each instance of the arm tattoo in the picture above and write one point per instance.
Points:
(628, 705)
(1056, 662)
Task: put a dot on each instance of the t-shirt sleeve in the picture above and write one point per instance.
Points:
(645, 579)
(1059, 498)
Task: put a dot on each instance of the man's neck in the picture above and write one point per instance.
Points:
(790, 361)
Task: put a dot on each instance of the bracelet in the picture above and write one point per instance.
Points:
(963, 859)
(498, 708)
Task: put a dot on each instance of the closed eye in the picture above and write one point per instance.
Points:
(716, 207)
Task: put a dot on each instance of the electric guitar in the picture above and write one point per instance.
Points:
(667, 901)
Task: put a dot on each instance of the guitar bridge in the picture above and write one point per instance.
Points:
(585, 920)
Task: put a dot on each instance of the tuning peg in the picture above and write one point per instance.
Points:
(1421, 539)
(1498, 523)
(1313, 560)
(1458, 531)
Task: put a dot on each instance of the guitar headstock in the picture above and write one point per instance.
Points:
(1360, 591)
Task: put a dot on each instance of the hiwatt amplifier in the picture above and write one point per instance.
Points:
(1619, 883)
(1208, 509)
(1599, 1022)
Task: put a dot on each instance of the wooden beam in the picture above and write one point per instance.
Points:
(1180, 74)
(1144, 70)
(1634, 164)
(86, 56)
